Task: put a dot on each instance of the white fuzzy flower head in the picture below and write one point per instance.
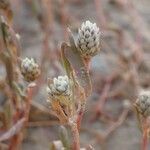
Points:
(143, 103)
(88, 39)
(30, 69)
(59, 88)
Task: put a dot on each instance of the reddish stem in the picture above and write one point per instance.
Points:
(64, 17)
(75, 133)
(79, 119)
(103, 98)
(15, 142)
(100, 13)
(18, 138)
(145, 141)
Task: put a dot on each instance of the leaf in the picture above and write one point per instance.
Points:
(59, 112)
(8, 114)
(64, 137)
(70, 73)
(66, 62)
(73, 59)
(10, 45)
(19, 90)
(10, 39)
(9, 67)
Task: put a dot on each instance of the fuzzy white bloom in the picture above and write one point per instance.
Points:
(30, 69)
(59, 87)
(88, 39)
(143, 103)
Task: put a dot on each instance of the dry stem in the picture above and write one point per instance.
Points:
(145, 136)
(144, 141)
(75, 133)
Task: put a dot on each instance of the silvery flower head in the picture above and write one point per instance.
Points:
(30, 69)
(88, 39)
(60, 88)
(143, 103)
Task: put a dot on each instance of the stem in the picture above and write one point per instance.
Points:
(145, 141)
(75, 133)
(100, 13)
(28, 104)
(145, 137)
(64, 16)
(79, 118)
(17, 140)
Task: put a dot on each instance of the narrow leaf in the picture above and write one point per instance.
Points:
(73, 56)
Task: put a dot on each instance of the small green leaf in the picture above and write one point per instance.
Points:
(64, 137)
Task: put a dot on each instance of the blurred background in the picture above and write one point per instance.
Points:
(118, 72)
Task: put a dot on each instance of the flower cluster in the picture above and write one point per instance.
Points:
(88, 39)
(59, 88)
(143, 103)
(30, 69)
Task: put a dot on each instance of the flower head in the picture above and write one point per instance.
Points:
(88, 39)
(30, 69)
(143, 103)
(59, 88)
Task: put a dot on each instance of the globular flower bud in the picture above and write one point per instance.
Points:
(60, 88)
(88, 39)
(143, 103)
(30, 69)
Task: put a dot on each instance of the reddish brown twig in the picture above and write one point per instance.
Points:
(145, 136)
(75, 132)
(115, 125)
(145, 141)
(18, 138)
(100, 13)
(79, 117)
(102, 100)
(64, 17)
(13, 131)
